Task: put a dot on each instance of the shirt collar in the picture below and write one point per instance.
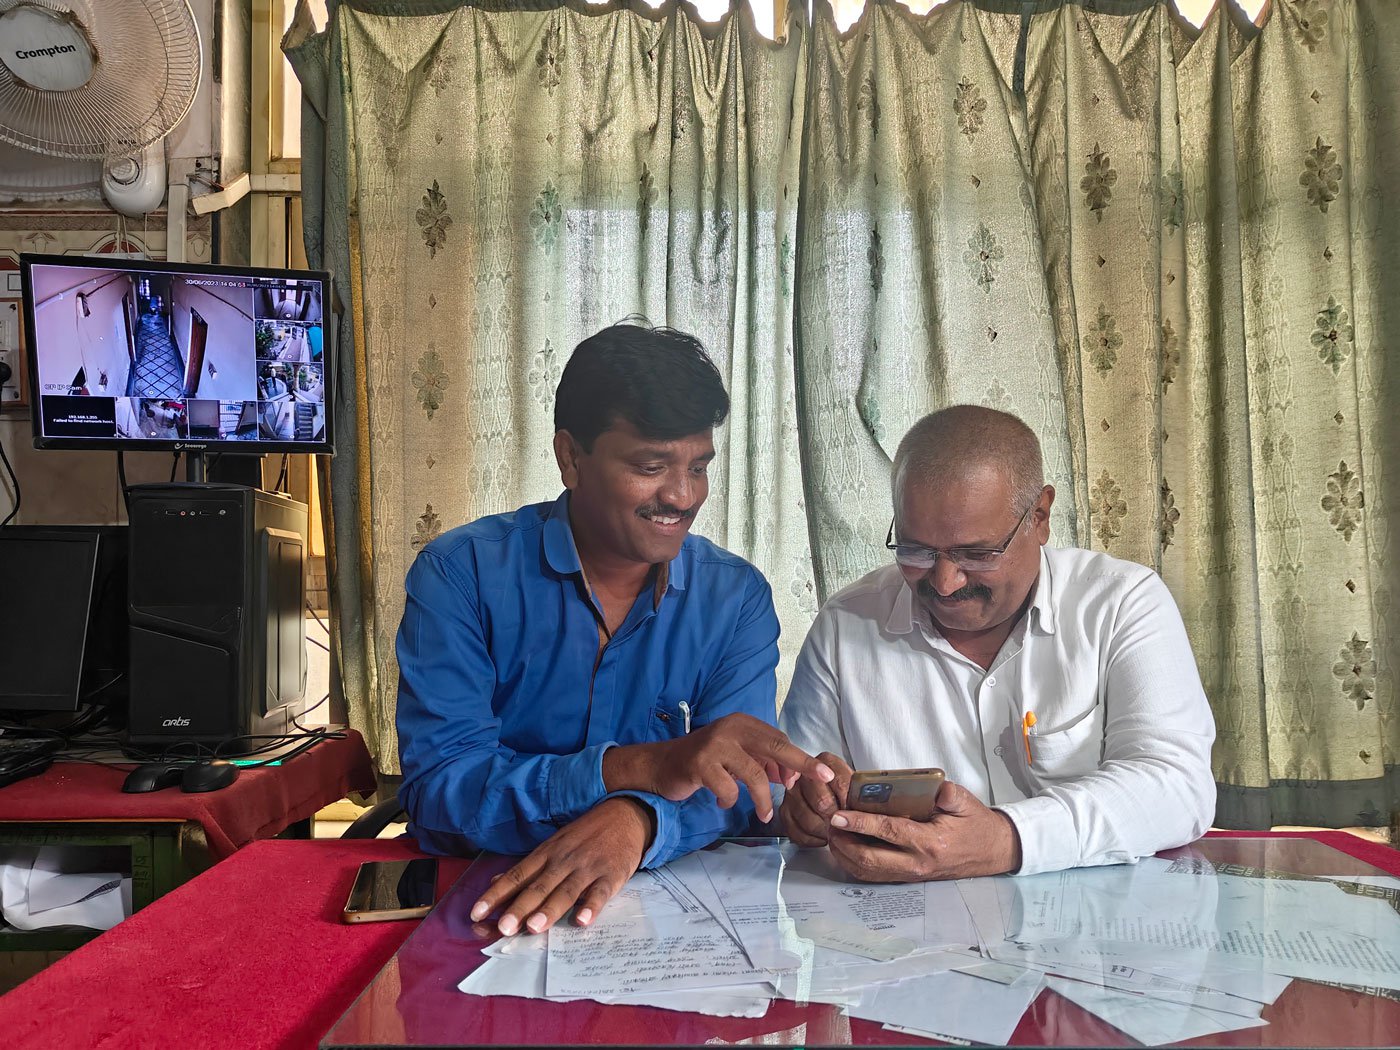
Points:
(1041, 613)
(559, 549)
(901, 618)
(561, 553)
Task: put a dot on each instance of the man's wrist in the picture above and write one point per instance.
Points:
(629, 767)
(645, 819)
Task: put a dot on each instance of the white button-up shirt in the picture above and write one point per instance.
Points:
(1119, 763)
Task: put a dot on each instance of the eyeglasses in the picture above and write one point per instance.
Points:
(967, 559)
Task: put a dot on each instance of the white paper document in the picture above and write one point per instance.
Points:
(523, 975)
(1152, 1022)
(952, 1004)
(1298, 928)
(777, 895)
(37, 893)
(836, 977)
(1161, 950)
(625, 955)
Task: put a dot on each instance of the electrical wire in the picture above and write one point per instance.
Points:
(313, 707)
(282, 477)
(82, 721)
(14, 481)
(308, 739)
(317, 616)
(121, 477)
(84, 740)
(96, 751)
(103, 687)
(174, 467)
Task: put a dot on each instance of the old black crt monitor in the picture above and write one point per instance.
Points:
(134, 355)
(63, 620)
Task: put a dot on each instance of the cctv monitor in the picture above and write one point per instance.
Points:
(136, 355)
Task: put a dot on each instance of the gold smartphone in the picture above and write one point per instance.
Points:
(911, 793)
(392, 889)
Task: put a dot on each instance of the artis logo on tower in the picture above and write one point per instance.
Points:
(174, 722)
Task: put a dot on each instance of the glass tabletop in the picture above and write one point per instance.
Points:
(415, 1002)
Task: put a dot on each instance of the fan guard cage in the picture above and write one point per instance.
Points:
(146, 68)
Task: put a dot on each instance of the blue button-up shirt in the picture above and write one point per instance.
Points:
(507, 704)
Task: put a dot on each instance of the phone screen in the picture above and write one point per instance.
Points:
(394, 886)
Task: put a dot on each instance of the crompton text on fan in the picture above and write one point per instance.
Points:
(99, 80)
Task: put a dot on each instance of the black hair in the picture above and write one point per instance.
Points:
(658, 379)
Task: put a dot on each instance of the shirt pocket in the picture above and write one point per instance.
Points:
(1073, 748)
(667, 721)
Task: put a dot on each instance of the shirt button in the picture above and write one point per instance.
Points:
(998, 750)
(992, 680)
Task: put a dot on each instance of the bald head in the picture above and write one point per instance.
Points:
(964, 441)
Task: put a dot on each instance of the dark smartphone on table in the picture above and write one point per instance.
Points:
(911, 793)
(392, 889)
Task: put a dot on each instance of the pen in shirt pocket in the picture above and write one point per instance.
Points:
(685, 716)
(1027, 724)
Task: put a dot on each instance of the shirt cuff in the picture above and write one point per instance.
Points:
(1049, 841)
(576, 784)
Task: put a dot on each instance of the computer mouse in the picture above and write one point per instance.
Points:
(209, 776)
(153, 776)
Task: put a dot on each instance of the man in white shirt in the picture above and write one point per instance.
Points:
(1055, 687)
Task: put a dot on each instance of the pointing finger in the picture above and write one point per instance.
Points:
(768, 744)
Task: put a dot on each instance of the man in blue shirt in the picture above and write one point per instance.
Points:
(583, 681)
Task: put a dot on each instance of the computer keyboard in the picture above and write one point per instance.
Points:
(26, 756)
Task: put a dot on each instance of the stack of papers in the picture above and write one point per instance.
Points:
(48, 887)
(1161, 950)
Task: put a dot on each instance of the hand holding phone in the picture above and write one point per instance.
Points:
(392, 889)
(911, 793)
(809, 804)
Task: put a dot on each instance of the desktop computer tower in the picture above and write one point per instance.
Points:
(63, 627)
(217, 593)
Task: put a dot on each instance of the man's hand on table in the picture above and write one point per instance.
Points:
(964, 839)
(733, 750)
(810, 804)
(584, 863)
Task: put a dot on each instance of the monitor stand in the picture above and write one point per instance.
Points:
(227, 468)
(194, 466)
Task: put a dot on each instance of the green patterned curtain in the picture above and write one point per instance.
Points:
(1165, 248)
(496, 182)
(921, 281)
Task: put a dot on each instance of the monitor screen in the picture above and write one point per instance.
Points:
(130, 354)
(44, 616)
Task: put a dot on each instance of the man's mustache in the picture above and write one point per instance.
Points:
(665, 510)
(963, 593)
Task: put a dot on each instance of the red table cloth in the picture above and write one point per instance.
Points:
(262, 802)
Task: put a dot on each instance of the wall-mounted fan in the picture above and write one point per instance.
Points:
(100, 80)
